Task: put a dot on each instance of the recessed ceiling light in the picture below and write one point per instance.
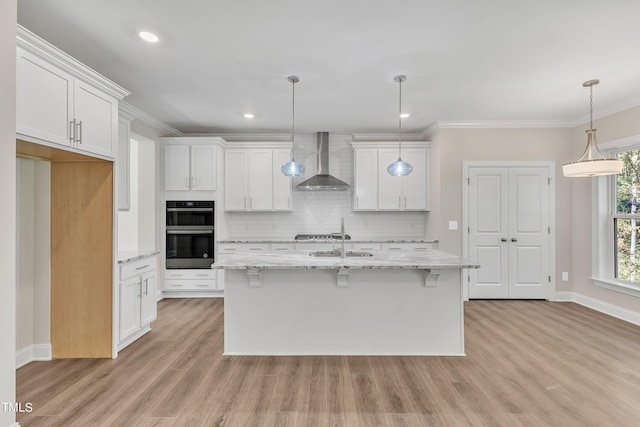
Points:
(149, 37)
(404, 115)
(249, 116)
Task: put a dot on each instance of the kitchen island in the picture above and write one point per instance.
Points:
(388, 303)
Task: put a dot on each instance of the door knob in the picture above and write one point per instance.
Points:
(504, 239)
(513, 239)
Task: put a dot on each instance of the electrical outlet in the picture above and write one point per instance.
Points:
(453, 225)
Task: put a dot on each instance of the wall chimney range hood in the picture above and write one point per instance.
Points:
(322, 181)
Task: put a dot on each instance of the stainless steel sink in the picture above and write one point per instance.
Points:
(336, 254)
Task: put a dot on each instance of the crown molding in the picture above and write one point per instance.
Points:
(130, 110)
(27, 40)
(387, 137)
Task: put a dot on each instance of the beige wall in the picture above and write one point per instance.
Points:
(450, 147)
(8, 19)
(33, 279)
(615, 126)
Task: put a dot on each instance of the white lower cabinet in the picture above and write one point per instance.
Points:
(410, 246)
(190, 281)
(137, 302)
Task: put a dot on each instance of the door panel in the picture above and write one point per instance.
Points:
(509, 232)
(488, 226)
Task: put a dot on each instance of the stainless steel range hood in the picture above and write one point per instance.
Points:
(322, 181)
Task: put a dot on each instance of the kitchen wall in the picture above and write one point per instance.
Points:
(137, 226)
(33, 280)
(8, 19)
(616, 126)
(450, 147)
(320, 211)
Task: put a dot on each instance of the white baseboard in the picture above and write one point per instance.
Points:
(601, 306)
(32, 353)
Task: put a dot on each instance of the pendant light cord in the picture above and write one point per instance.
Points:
(400, 120)
(293, 116)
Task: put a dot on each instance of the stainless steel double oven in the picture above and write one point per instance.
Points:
(190, 234)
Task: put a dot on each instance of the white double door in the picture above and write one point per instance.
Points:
(509, 232)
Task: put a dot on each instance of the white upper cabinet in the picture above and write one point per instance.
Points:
(376, 190)
(44, 104)
(190, 164)
(253, 180)
(60, 101)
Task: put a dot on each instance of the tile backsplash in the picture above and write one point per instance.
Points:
(320, 211)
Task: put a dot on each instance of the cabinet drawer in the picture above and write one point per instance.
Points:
(189, 285)
(408, 246)
(242, 247)
(282, 247)
(318, 246)
(203, 274)
(365, 246)
(137, 267)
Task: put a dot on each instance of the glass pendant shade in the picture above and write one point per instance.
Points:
(399, 168)
(292, 168)
(592, 162)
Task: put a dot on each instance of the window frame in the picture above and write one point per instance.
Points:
(603, 217)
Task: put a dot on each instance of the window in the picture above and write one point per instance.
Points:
(616, 221)
(626, 218)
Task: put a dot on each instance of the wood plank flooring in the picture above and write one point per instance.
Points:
(528, 363)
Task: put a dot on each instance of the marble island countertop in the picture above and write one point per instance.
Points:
(427, 260)
(128, 256)
(381, 240)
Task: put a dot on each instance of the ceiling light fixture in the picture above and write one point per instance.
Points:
(592, 162)
(399, 167)
(148, 36)
(293, 168)
(249, 116)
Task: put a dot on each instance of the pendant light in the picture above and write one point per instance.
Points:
(592, 162)
(293, 168)
(399, 167)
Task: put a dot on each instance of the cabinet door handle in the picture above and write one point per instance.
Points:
(79, 136)
(143, 267)
(399, 201)
(72, 130)
(146, 286)
(405, 202)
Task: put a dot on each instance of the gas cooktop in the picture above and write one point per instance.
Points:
(330, 236)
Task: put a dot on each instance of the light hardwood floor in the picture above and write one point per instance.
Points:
(528, 363)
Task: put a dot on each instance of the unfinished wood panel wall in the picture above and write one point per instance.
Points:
(81, 259)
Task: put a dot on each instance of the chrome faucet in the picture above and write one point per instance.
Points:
(344, 252)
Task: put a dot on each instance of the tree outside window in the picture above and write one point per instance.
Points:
(626, 218)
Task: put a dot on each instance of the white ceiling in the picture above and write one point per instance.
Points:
(465, 60)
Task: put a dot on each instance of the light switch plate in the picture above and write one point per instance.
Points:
(565, 276)
(453, 225)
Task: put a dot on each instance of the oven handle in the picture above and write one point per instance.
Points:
(197, 231)
(190, 210)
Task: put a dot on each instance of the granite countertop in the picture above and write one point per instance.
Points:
(128, 256)
(405, 240)
(427, 260)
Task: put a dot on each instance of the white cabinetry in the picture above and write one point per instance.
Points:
(123, 167)
(190, 280)
(189, 165)
(410, 246)
(137, 302)
(376, 190)
(55, 105)
(253, 181)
